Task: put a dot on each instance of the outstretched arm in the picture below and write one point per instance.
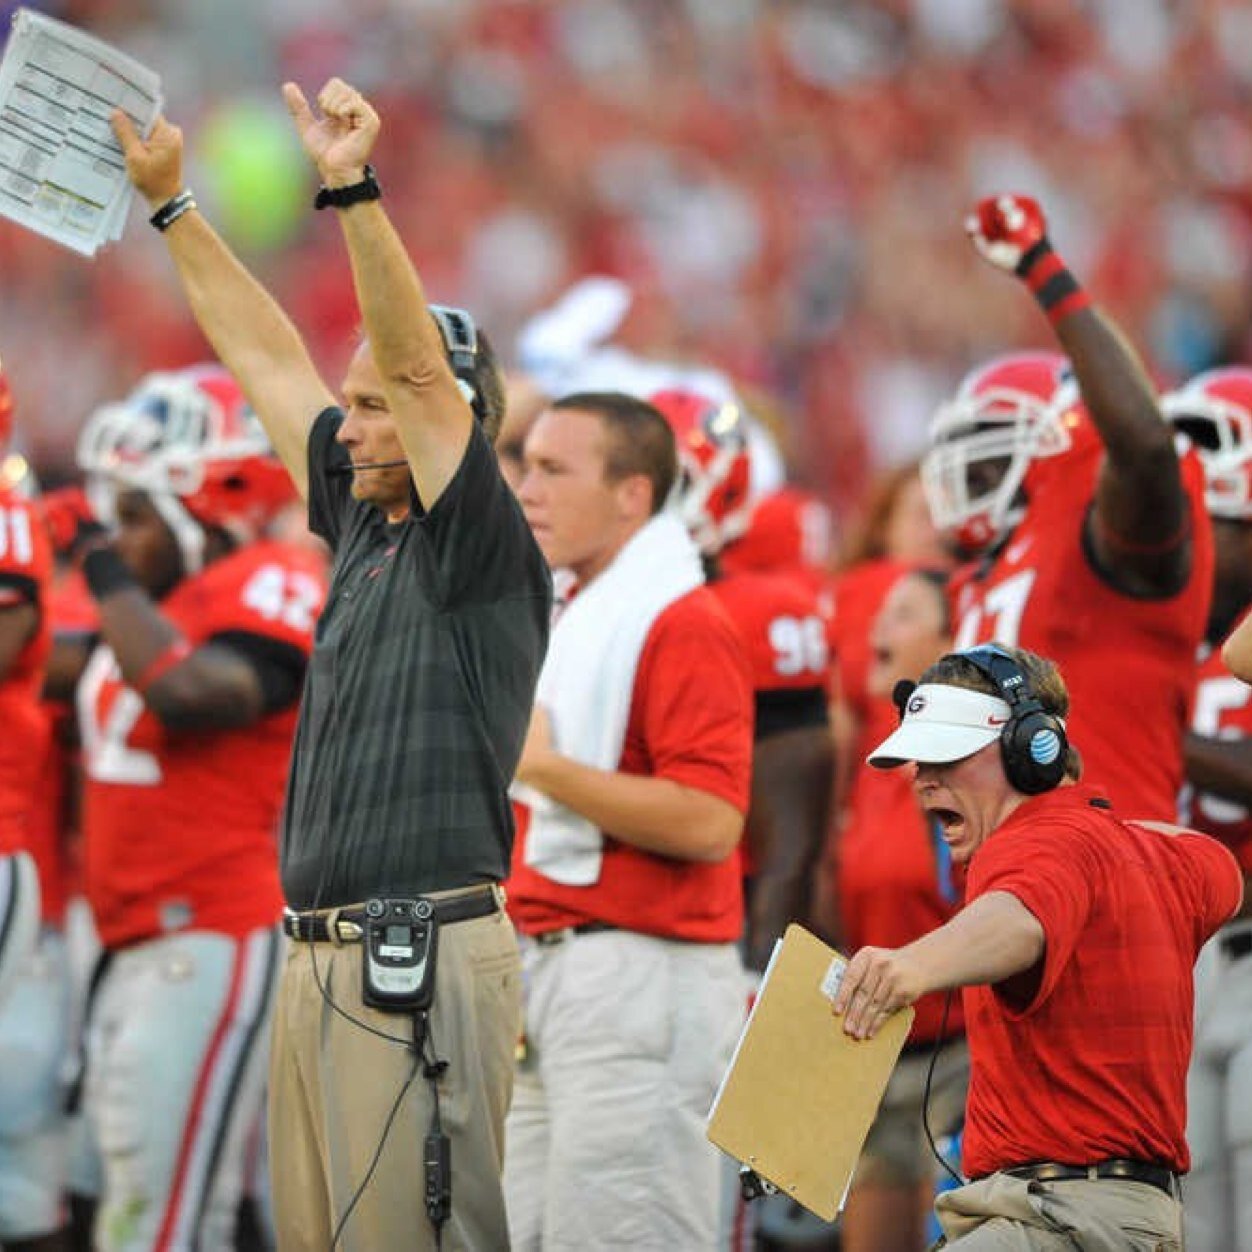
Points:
(1138, 530)
(990, 939)
(250, 333)
(432, 417)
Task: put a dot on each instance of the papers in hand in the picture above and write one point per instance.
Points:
(61, 168)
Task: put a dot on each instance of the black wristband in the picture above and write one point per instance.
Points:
(106, 573)
(354, 193)
(173, 209)
(1032, 256)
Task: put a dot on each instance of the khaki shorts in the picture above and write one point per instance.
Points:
(896, 1152)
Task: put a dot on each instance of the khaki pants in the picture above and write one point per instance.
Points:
(341, 1095)
(1001, 1213)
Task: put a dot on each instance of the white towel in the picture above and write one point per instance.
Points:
(588, 679)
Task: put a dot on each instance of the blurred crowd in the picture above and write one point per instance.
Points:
(780, 182)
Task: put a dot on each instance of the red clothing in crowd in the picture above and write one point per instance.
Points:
(181, 830)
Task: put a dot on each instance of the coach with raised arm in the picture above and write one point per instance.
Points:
(399, 1005)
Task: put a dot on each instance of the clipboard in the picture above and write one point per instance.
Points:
(799, 1096)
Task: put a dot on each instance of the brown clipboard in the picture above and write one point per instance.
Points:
(799, 1095)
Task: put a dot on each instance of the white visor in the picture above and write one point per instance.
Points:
(942, 724)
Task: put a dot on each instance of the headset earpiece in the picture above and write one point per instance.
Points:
(1033, 744)
(460, 342)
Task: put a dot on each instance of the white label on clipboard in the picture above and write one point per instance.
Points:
(833, 978)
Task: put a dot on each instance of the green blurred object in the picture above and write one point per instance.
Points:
(258, 177)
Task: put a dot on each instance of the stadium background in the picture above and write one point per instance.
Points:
(780, 181)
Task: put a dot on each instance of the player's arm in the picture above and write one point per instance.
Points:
(792, 774)
(1219, 767)
(432, 417)
(993, 938)
(249, 331)
(18, 622)
(1139, 528)
(212, 686)
(656, 815)
(67, 659)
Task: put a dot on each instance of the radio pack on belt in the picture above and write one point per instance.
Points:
(398, 969)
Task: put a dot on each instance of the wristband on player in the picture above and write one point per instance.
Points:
(1053, 286)
(354, 193)
(164, 661)
(105, 572)
(173, 209)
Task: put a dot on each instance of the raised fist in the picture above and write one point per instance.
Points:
(1005, 228)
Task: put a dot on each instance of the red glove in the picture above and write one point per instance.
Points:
(69, 519)
(1010, 231)
(1006, 229)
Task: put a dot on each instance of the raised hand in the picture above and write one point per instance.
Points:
(154, 165)
(340, 140)
(1005, 229)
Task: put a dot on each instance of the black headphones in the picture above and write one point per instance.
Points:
(460, 342)
(1033, 744)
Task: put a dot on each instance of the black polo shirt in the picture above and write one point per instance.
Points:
(420, 687)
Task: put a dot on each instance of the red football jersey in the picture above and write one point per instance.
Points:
(25, 574)
(1222, 710)
(180, 828)
(72, 611)
(1129, 664)
(784, 622)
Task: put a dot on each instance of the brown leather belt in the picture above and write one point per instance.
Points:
(1159, 1176)
(350, 923)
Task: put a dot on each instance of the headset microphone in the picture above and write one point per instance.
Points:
(349, 468)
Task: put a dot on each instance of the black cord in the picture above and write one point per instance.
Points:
(930, 1073)
(324, 991)
(378, 1152)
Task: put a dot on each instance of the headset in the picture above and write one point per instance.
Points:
(1033, 744)
(460, 342)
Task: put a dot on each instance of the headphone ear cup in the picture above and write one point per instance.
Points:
(1034, 746)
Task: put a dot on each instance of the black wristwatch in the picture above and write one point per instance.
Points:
(354, 193)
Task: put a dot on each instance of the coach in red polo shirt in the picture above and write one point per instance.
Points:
(1075, 949)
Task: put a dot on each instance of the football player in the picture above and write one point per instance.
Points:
(32, 990)
(186, 709)
(1214, 412)
(1092, 545)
